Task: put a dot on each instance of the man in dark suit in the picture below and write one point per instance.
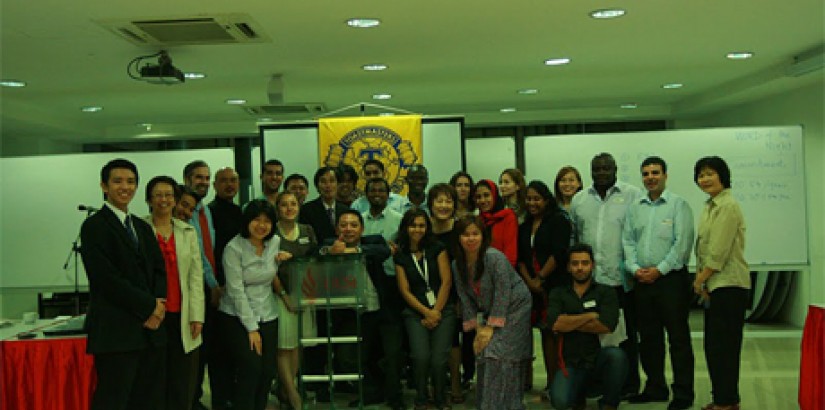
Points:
(127, 291)
(322, 213)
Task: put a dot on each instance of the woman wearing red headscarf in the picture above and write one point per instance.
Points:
(502, 222)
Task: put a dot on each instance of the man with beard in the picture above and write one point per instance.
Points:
(196, 177)
(374, 168)
(271, 178)
(599, 213)
(579, 313)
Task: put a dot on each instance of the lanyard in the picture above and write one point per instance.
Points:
(426, 272)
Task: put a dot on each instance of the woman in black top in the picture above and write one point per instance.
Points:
(543, 241)
(423, 273)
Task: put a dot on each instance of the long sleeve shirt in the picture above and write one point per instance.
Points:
(600, 223)
(658, 233)
(249, 294)
(720, 244)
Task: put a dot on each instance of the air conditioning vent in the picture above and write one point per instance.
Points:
(284, 109)
(214, 29)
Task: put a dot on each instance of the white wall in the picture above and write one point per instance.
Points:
(803, 106)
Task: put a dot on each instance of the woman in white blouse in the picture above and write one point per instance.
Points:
(248, 311)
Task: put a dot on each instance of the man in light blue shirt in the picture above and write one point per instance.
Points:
(379, 219)
(657, 238)
(374, 168)
(599, 214)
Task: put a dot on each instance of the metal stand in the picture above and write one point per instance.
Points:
(75, 252)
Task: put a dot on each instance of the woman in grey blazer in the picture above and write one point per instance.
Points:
(184, 297)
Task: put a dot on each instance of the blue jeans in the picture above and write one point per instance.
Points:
(429, 351)
(610, 369)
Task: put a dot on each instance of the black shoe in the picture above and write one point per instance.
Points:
(646, 398)
(680, 404)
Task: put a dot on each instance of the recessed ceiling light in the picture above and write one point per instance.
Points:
(363, 22)
(557, 61)
(671, 86)
(374, 67)
(629, 105)
(739, 55)
(381, 96)
(508, 109)
(607, 13)
(236, 101)
(91, 108)
(528, 91)
(194, 76)
(12, 83)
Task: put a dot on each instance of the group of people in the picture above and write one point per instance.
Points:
(458, 275)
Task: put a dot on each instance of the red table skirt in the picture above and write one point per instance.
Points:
(812, 366)
(45, 374)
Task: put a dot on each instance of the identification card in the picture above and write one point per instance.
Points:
(303, 241)
(589, 304)
(430, 297)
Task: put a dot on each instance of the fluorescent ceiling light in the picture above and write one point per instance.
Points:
(739, 55)
(363, 22)
(508, 109)
(194, 76)
(91, 108)
(528, 91)
(236, 101)
(671, 86)
(629, 105)
(381, 96)
(374, 67)
(607, 13)
(12, 83)
(557, 61)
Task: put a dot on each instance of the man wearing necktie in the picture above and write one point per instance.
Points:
(127, 291)
(196, 175)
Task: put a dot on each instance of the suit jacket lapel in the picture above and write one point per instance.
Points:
(118, 227)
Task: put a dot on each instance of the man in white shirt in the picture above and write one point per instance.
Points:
(599, 214)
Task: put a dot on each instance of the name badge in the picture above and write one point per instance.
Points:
(303, 241)
(589, 304)
(430, 295)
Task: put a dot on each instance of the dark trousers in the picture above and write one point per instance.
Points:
(429, 351)
(213, 357)
(610, 370)
(630, 346)
(253, 373)
(381, 330)
(130, 380)
(181, 367)
(662, 306)
(468, 356)
(724, 321)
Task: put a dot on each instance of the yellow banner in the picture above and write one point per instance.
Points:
(393, 140)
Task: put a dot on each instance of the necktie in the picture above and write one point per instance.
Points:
(331, 214)
(206, 237)
(130, 230)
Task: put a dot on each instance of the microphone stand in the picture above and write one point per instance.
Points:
(74, 252)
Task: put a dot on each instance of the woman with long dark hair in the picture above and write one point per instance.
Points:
(495, 302)
(722, 278)
(501, 221)
(463, 184)
(422, 269)
(543, 241)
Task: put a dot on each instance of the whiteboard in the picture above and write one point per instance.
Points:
(767, 176)
(38, 206)
(296, 145)
(487, 157)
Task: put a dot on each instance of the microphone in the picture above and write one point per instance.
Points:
(86, 208)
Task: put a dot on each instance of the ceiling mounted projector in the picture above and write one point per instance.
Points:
(161, 73)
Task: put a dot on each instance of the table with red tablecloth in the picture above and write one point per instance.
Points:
(46, 374)
(812, 361)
